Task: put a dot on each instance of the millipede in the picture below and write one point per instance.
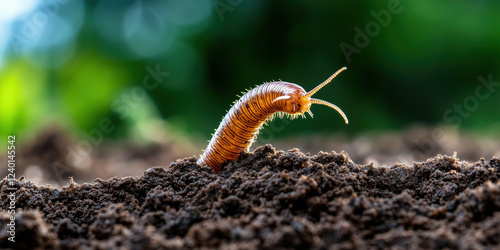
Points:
(240, 126)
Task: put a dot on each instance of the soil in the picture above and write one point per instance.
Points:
(267, 199)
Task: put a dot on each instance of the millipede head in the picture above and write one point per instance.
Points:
(300, 102)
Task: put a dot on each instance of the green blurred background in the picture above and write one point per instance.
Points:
(87, 65)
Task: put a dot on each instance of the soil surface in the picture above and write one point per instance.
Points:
(53, 155)
(267, 200)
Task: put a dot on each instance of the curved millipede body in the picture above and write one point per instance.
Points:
(242, 123)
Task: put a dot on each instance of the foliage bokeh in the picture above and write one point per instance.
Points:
(75, 63)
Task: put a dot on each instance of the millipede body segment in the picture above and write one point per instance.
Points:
(241, 125)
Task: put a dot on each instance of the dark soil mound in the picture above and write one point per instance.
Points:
(268, 200)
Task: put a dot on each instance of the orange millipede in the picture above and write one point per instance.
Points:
(241, 125)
